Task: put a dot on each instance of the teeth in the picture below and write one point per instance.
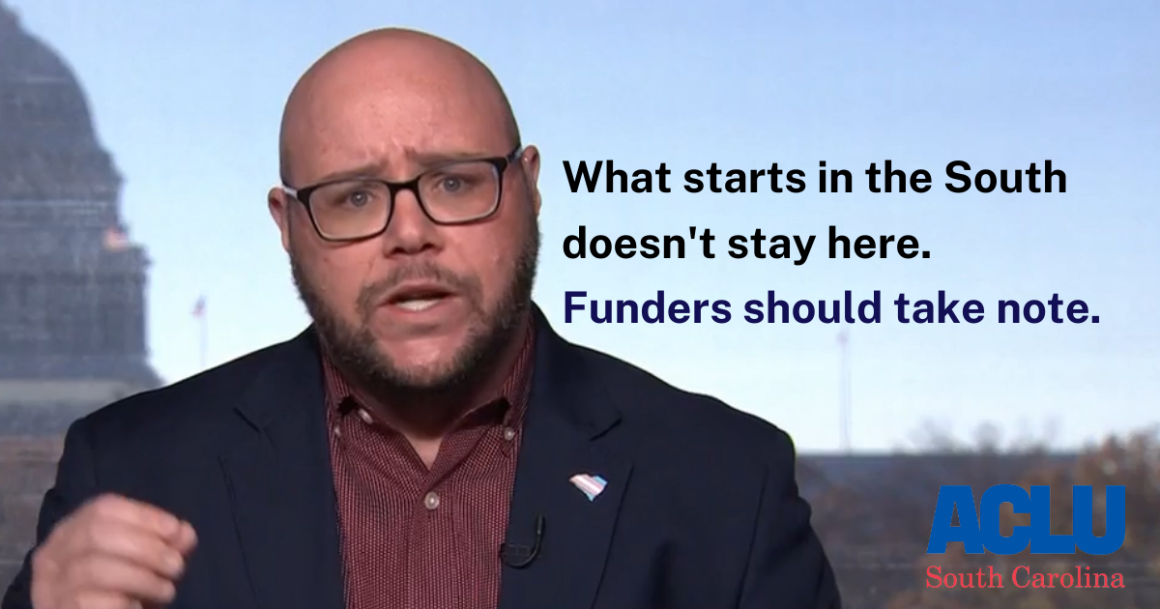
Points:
(418, 304)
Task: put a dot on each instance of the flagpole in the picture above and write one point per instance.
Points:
(844, 409)
(200, 312)
(204, 339)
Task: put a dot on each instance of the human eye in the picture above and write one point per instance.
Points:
(458, 181)
(351, 196)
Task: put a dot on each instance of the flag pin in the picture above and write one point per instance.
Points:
(588, 484)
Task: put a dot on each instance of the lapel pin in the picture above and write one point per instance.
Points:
(588, 484)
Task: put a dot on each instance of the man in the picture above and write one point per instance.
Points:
(429, 442)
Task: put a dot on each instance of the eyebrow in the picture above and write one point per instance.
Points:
(425, 161)
(362, 171)
(431, 159)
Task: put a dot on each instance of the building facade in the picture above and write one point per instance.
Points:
(72, 285)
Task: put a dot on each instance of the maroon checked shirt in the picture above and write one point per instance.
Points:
(419, 538)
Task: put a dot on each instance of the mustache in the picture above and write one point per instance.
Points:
(371, 295)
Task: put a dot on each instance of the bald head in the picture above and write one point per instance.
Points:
(423, 305)
(403, 80)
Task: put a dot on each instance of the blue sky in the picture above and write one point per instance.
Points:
(187, 96)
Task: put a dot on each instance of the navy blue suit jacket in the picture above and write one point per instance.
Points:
(701, 508)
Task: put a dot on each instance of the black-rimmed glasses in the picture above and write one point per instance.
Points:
(458, 192)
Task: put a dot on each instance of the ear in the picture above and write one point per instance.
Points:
(530, 159)
(279, 204)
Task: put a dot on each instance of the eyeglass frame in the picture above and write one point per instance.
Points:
(500, 163)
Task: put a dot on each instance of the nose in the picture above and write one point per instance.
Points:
(410, 232)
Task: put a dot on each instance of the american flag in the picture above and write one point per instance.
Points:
(199, 308)
(116, 240)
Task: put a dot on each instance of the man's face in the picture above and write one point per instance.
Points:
(423, 305)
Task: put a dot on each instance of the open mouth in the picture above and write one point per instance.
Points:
(418, 298)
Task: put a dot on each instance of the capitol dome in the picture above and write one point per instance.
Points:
(72, 283)
(48, 147)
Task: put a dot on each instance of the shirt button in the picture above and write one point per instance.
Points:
(337, 431)
(431, 501)
(509, 433)
(366, 416)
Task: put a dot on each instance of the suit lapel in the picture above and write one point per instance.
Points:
(282, 486)
(566, 433)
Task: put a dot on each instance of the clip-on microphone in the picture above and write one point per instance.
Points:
(519, 556)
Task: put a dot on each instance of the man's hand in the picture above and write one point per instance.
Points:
(112, 553)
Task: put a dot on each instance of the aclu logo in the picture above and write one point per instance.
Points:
(980, 533)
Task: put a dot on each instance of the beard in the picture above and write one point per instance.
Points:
(354, 348)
